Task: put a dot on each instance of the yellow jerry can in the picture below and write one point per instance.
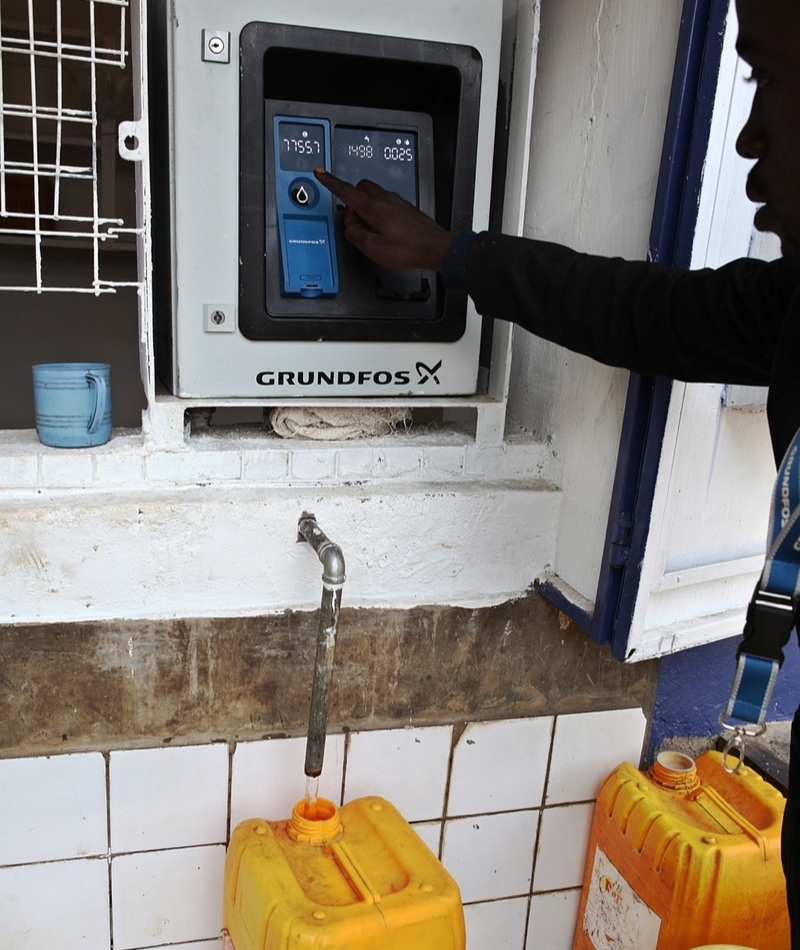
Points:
(358, 877)
(684, 856)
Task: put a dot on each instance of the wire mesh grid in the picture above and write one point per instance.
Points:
(63, 73)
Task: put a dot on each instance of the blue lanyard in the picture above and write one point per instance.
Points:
(781, 574)
(771, 613)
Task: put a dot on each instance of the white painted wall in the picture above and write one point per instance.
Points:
(125, 532)
(602, 89)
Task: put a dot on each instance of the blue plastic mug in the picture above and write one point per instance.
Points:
(73, 403)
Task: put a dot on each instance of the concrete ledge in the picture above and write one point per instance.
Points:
(98, 686)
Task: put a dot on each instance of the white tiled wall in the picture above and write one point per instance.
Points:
(131, 845)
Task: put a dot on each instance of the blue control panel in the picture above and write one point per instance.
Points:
(294, 255)
(305, 211)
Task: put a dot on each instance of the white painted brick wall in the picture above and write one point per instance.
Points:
(427, 518)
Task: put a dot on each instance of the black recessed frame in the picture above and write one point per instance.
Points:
(358, 75)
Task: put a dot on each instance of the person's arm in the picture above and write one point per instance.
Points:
(703, 326)
(710, 326)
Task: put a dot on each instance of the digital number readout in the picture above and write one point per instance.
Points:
(301, 146)
(391, 153)
(394, 153)
(385, 156)
(360, 151)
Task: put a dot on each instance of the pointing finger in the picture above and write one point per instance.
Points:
(346, 193)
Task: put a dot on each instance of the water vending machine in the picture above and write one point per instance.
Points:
(257, 293)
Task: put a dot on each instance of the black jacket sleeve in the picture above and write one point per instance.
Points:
(700, 326)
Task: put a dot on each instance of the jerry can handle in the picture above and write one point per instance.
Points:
(354, 873)
(727, 809)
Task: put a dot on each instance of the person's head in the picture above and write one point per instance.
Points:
(769, 41)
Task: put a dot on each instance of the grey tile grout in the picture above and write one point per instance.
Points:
(107, 760)
(522, 896)
(535, 855)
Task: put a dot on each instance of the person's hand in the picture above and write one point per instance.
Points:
(388, 229)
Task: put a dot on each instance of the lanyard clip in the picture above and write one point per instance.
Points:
(770, 619)
(733, 749)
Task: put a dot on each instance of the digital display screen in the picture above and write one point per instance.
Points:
(387, 157)
(302, 146)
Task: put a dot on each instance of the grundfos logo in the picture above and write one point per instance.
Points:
(428, 372)
(346, 377)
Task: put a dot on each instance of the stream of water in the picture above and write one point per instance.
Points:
(312, 793)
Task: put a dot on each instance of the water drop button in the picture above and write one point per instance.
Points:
(304, 193)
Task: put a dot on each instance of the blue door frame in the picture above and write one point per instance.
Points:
(694, 85)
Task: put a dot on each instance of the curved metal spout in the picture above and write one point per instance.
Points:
(330, 554)
(333, 578)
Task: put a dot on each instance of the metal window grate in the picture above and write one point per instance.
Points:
(63, 74)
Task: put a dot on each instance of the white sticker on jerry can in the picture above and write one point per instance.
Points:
(616, 918)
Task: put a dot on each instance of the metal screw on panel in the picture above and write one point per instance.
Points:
(216, 46)
(217, 317)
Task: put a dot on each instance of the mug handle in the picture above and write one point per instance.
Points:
(99, 400)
